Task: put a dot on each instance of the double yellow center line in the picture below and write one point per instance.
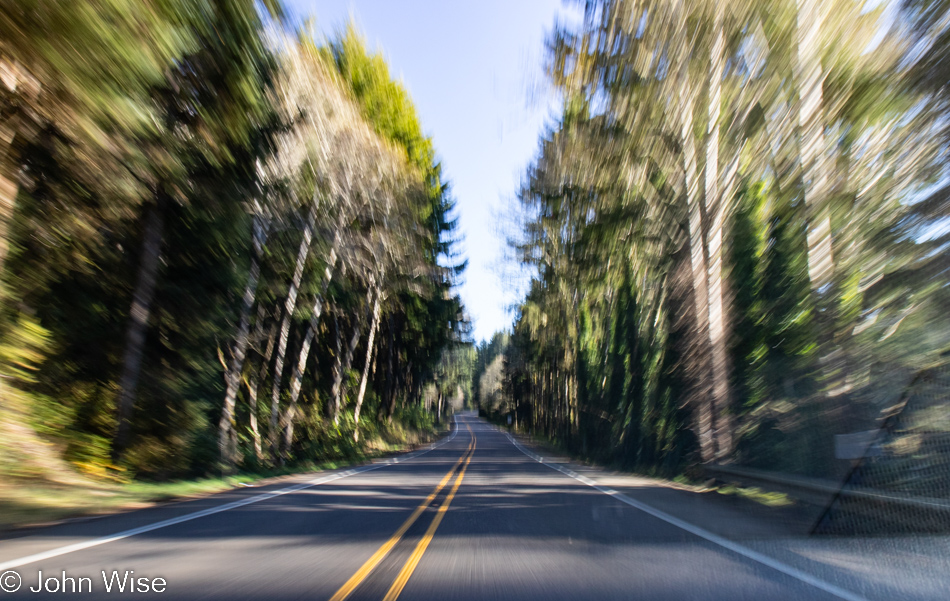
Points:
(404, 574)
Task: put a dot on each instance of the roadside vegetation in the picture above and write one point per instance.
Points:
(225, 248)
(737, 235)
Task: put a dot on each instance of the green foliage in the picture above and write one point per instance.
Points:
(384, 101)
(173, 109)
(487, 373)
(680, 217)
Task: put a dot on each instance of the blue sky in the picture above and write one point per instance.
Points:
(474, 70)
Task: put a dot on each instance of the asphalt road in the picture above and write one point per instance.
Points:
(472, 518)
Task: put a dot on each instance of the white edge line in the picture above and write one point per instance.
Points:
(14, 563)
(700, 532)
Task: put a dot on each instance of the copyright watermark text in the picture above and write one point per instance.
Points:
(109, 581)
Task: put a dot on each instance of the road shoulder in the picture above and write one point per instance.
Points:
(912, 567)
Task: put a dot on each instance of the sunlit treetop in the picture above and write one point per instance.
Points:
(385, 102)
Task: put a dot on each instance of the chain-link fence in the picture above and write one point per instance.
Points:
(901, 481)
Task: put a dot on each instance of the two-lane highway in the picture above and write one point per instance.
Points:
(472, 518)
(366, 570)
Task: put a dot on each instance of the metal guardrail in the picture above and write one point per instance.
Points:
(899, 478)
(814, 491)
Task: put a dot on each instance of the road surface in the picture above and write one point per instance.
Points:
(475, 517)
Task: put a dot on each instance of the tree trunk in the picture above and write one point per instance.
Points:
(239, 352)
(413, 387)
(252, 385)
(340, 369)
(337, 359)
(815, 167)
(9, 186)
(23, 90)
(139, 312)
(296, 380)
(289, 305)
(697, 253)
(366, 367)
(809, 79)
(391, 380)
(252, 419)
(716, 206)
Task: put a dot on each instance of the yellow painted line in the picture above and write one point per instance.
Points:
(420, 550)
(371, 563)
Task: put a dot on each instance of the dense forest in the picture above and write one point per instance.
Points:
(224, 244)
(738, 234)
(227, 244)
